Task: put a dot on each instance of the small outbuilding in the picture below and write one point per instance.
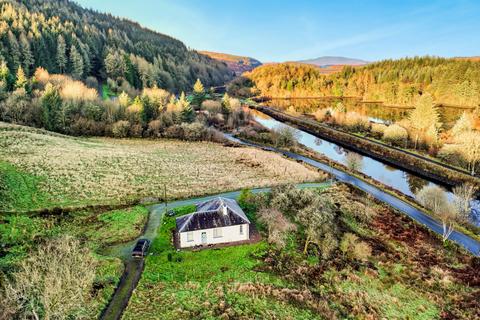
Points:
(216, 221)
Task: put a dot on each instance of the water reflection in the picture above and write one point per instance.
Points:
(405, 182)
(376, 112)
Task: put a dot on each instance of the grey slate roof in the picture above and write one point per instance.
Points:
(210, 214)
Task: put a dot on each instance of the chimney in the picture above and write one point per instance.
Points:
(224, 209)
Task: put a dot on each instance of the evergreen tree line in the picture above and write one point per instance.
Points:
(395, 82)
(65, 38)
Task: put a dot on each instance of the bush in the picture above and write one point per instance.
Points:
(136, 130)
(356, 122)
(193, 131)
(353, 248)
(212, 106)
(284, 136)
(395, 134)
(377, 130)
(120, 129)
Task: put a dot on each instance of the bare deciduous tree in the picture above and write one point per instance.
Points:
(354, 161)
(318, 221)
(52, 283)
(435, 199)
(277, 225)
(463, 196)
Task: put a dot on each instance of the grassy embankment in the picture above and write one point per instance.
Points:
(408, 275)
(43, 170)
(434, 170)
(461, 226)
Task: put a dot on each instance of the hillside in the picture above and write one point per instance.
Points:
(237, 64)
(334, 61)
(399, 82)
(63, 37)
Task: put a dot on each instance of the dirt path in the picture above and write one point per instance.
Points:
(131, 276)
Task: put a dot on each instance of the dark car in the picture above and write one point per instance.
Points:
(170, 213)
(141, 248)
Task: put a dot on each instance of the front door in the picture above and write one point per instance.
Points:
(204, 237)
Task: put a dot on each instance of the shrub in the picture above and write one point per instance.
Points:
(235, 104)
(321, 114)
(77, 91)
(136, 130)
(284, 136)
(120, 129)
(212, 106)
(193, 131)
(155, 128)
(356, 122)
(353, 248)
(395, 134)
(55, 282)
(378, 129)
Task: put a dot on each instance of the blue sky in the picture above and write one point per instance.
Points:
(300, 29)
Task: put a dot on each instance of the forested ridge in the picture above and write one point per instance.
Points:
(398, 82)
(63, 37)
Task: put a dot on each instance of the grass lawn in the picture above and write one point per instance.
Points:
(39, 169)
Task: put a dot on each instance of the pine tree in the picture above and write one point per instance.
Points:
(424, 116)
(52, 109)
(27, 57)
(21, 79)
(198, 93)
(76, 62)
(148, 111)
(226, 105)
(61, 54)
(187, 112)
(14, 51)
(115, 64)
(198, 87)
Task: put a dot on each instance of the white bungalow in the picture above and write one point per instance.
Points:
(219, 220)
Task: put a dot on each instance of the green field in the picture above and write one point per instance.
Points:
(259, 281)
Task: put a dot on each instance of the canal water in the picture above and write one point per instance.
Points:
(398, 179)
(376, 112)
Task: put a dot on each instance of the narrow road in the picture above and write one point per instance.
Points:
(470, 244)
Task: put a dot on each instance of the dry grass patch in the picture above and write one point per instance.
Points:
(74, 171)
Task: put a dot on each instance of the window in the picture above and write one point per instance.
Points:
(241, 229)
(189, 236)
(217, 232)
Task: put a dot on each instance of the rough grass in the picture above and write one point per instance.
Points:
(410, 275)
(200, 285)
(42, 170)
(19, 234)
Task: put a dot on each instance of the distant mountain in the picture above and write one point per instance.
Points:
(334, 61)
(237, 64)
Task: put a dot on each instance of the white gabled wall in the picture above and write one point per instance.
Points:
(229, 234)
